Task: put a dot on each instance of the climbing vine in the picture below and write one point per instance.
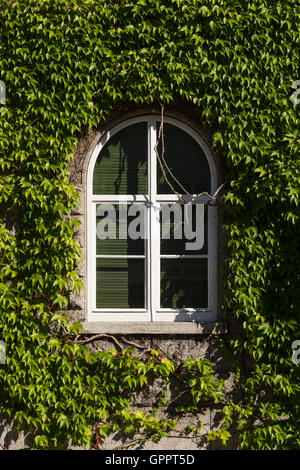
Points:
(66, 66)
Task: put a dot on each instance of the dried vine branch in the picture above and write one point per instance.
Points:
(164, 166)
(101, 336)
(132, 343)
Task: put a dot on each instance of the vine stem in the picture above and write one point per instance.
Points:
(123, 446)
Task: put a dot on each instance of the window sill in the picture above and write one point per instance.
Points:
(157, 328)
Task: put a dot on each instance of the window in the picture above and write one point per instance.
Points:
(151, 257)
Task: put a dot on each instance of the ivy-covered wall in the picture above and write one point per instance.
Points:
(67, 68)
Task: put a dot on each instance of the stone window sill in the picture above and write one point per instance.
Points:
(156, 328)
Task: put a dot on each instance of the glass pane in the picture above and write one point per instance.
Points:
(183, 229)
(120, 283)
(121, 167)
(184, 283)
(120, 229)
(186, 160)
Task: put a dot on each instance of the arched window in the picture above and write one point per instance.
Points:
(151, 255)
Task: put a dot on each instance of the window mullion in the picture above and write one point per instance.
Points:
(154, 224)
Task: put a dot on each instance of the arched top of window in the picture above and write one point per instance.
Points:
(122, 163)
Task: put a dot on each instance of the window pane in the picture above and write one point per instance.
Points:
(184, 283)
(121, 167)
(120, 229)
(183, 229)
(186, 160)
(120, 283)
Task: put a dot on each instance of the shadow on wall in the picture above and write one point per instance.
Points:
(11, 439)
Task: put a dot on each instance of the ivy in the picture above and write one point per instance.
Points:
(66, 66)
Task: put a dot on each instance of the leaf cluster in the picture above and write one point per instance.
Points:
(66, 67)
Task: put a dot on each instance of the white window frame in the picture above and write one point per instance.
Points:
(153, 312)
